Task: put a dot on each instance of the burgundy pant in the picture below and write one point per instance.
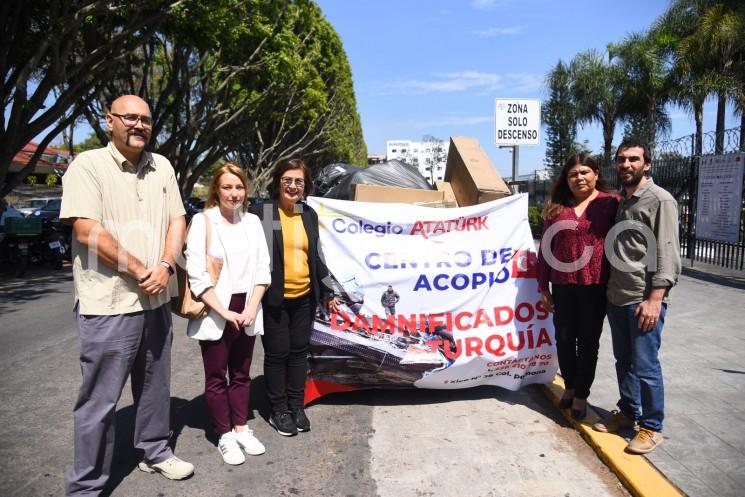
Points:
(228, 400)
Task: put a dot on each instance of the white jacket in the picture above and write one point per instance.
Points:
(211, 326)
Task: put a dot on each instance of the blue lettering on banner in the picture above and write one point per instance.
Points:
(342, 225)
(461, 281)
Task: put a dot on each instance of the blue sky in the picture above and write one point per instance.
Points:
(434, 67)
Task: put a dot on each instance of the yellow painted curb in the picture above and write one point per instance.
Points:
(638, 475)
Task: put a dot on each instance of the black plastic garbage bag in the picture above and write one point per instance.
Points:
(331, 175)
(391, 173)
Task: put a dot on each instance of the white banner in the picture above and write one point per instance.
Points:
(434, 298)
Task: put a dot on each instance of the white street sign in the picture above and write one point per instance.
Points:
(517, 121)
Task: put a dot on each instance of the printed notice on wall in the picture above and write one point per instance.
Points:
(719, 197)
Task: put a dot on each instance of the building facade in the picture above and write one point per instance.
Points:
(429, 156)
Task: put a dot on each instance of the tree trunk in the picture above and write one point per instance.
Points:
(721, 109)
(608, 130)
(698, 115)
(651, 126)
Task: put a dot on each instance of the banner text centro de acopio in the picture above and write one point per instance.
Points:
(431, 298)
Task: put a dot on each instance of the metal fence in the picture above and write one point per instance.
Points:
(675, 168)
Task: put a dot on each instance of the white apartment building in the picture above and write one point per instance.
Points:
(429, 156)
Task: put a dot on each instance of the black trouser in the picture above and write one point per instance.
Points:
(579, 311)
(286, 342)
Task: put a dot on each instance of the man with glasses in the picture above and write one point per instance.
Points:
(128, 222)
(645, 262)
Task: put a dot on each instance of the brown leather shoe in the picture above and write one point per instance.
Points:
(616, 421)
(644, 441)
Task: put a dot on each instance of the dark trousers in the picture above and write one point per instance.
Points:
(227, 402)
(286, 342)
(113, 348)
(579, 311)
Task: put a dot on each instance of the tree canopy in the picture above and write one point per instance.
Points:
(249, 80)
(695, 50)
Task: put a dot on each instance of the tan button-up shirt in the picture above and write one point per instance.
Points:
(136, 204)
(638, 268)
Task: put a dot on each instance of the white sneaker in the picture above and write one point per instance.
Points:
(172, 468)
(230, 450)
(249, 442)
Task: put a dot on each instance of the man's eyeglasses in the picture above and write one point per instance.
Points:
(130, 120)
(287, 181)
(632, 159)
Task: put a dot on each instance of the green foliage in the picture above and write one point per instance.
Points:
(597, 90)
(30, 179)
(90, 143)
(249, 81)
(536, 221)
(51, 179)
(694, 51)
(559, 116)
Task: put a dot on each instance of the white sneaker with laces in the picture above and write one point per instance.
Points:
(230, 450)
(249, 442)
(172, 468)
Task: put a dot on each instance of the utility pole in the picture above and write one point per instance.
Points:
(515, 167)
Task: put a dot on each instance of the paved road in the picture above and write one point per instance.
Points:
(477, 442)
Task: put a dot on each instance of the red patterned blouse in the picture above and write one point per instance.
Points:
(568, 244)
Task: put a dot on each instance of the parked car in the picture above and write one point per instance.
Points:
(50, 209)
(193, 205)
(29, 206)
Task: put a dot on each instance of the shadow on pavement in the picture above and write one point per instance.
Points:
(731, 281)
(36, 284)
(192, 413)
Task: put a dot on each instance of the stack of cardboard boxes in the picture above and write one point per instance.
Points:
(470, 179)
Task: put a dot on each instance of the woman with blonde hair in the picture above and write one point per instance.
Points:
(228, 240)
(572, 259)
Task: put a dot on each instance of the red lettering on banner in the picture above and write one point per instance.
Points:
(543, 338)
(499, 320)
(346, 321)
(482, 318)
(473, 346)
(497, 351)
(360, 323)
(460, 326)
(386, 326)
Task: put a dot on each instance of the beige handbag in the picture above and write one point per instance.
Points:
(186, 304)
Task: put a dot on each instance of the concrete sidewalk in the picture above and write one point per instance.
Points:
(703, 362)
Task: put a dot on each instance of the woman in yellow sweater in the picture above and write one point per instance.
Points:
(295, 292)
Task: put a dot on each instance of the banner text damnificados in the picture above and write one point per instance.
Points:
(522, 312)
(495, 344)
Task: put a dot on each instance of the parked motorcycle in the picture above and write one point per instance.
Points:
(18, 244)
(53, 246)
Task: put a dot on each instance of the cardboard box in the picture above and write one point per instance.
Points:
(471, 174)
(447, 190)
(388, 194)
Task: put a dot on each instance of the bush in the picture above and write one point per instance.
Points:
(536, 221)
(30, 179)
(51, 179)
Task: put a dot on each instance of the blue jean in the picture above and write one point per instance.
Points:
(638, 366)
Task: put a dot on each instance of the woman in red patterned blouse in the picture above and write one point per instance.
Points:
(578, 215)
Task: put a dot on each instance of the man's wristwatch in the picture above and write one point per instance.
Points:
(166, 265)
